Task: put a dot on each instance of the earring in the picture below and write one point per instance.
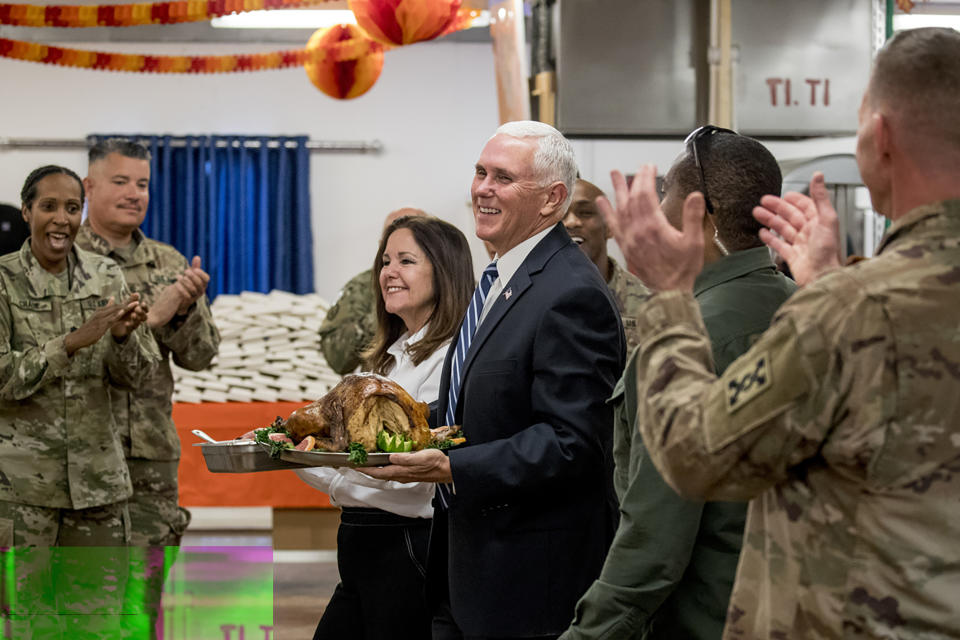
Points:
(716, 241)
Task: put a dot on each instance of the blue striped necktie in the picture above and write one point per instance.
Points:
(467, 330)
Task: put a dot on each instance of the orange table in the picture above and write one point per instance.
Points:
(223, 421)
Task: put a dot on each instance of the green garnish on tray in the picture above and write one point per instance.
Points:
(393, 442)
(276, 446)
(357, 454)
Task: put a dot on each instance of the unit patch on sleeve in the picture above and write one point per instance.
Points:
(750, 378)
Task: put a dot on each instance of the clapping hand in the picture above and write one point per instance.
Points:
(176, 298)
(192, 284)
(133, 315)
(807, 235)
(661, 256)
(119, 319)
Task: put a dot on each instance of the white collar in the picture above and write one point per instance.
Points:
(508, 263)
(405, 341)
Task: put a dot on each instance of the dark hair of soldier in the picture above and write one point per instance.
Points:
(29, 191)
(738, 171)
(124, 146)
(917, 75)
(447, 249)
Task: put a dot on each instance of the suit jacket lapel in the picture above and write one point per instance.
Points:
(445, 385)
(519, 283)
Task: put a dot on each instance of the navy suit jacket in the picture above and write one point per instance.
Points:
(534, 510)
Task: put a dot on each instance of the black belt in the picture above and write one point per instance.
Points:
(379, 517)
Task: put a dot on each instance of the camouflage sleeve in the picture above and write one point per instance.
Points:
(22, 373)
(193, 340)
(130, 362)
(349, 326)
(732, 438)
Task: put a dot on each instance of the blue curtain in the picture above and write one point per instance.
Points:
(241, 203)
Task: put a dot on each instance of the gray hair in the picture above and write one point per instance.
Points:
(554, 158)
(124, 146)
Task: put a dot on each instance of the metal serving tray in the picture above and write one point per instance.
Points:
(330, 459)
(248, 457)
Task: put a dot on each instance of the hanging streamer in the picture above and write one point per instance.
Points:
(133, 15)
(137, 63)
(322, 57)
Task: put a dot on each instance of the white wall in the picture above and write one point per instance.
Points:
(432, 108)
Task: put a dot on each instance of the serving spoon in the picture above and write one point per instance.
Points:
(204, 436)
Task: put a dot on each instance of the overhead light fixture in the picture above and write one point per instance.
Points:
(305, 19)
(286, 19)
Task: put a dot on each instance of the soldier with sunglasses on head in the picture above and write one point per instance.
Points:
(840, 422)
(670, 569)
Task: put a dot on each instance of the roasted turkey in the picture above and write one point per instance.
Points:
(356, 410)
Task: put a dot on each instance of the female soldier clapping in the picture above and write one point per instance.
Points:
(68, 328)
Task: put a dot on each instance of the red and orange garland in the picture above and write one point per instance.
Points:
(341, 51)
(342, 61)
(104, 61)
(134, 15)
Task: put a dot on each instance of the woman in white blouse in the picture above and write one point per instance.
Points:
(424, 277)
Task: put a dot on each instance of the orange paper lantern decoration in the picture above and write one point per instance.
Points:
(342, 62)
(400, 22)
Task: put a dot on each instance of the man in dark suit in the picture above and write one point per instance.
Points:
(525, 511)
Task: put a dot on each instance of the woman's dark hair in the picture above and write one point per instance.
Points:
(29, 191)
(447, 249)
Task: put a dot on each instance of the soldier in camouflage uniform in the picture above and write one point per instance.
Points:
(351, 322)
(180, 320)
(670, 568)
(840, 423)
(589, 230)
(64, 340)
(58, 439)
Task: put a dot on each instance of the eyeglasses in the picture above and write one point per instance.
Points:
(695, 136)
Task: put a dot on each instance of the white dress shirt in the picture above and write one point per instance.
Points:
(350, 488)
(507, 265)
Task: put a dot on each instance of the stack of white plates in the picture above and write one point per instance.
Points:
(269, 352)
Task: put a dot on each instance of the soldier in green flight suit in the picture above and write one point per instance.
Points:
(839, 425)
(671, 565)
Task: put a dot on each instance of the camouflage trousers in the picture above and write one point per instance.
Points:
(64, 572)
(158, 523)
(157, 518)
(24, 525)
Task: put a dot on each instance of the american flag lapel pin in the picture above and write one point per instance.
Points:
(507, 293)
